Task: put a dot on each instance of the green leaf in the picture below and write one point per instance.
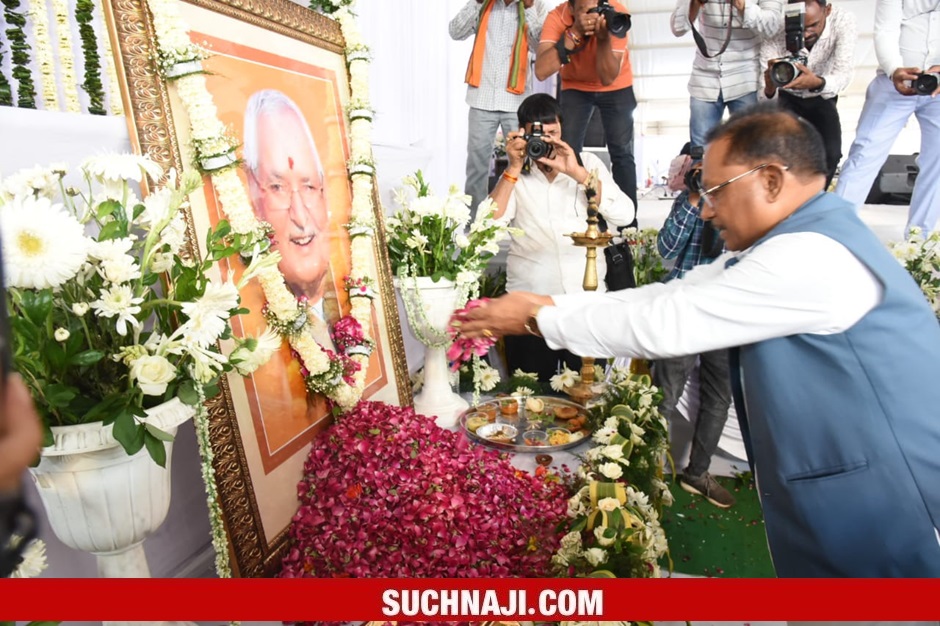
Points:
(106, 208)
(112, 230)
(155, 448)
(128, 432)
(138, 209)
(57, 395)
(47, 438)
(88, 357)
(37, 305)
(162, 435)
(188, 394)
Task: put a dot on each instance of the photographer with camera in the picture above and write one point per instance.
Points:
(726, 71)
(906, 84)
(541, 193)
(692, 241)
(586, 42)
(497, 75)
(808, 84)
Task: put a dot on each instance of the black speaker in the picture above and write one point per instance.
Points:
(895, 182)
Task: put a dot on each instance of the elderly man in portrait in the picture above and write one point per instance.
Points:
(287, 185)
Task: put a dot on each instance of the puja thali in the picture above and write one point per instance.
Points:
(527, 424)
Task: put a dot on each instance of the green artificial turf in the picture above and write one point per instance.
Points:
(707, 541)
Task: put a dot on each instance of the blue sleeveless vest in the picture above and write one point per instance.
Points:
(844, 430)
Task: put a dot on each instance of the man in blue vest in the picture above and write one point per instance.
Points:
(835, 353)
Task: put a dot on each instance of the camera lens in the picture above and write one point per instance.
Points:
(535, 148)
(783, 72)
(618, 23)
(926, 84)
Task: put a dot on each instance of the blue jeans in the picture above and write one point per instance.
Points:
(707, 115)
(616, 109)
(481, 133)
(670, 375)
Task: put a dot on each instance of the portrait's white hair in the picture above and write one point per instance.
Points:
(266, 102)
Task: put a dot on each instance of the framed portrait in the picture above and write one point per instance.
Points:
(269, 53)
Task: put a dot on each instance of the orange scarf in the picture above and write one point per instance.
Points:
(520, 52)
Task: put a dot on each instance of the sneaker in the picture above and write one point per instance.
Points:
(707, 487)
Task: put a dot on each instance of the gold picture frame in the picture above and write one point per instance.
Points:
(258, 438)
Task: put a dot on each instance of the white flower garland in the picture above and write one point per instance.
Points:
(43, 46)
(114, 90)
(66, 57)
(219, 537)
(211, 139)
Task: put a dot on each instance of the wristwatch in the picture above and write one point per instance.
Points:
(532, 322)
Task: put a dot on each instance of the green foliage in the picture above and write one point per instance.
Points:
(84, 10)
(493, 282)
(920, 255)
(648, 266)
(26, 91)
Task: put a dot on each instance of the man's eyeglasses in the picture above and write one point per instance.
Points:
(708, 195)
(281, 194)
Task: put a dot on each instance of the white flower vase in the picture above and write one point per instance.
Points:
(100, 500)
(429, 311)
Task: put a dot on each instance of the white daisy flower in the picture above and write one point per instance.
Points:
(119, 301)
(489, 378)
(43, 245)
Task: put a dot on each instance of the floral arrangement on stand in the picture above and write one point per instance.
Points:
(614, 528)
(388, 494)
(920, 255)
(432, 236)
(105, 326)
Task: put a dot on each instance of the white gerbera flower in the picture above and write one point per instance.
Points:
(117, 168)
(34, 559)
(35, 181)
(174, 234)
(119, 301)
(566, 378)
(254, 352)
(157, 207)
(43, 245)
(489, 378)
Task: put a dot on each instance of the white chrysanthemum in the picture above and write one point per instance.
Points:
(121, 269)
(43, 245)
(174, 234)
(161, 262)
(218, 300)
(428, 205)
(35, 181)
(157, 207)
(612, 471)
(608, 504)
(461, 241)
(120, 167)
(119, 301)
(34, 559)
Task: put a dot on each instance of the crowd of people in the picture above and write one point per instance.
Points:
(795, 310)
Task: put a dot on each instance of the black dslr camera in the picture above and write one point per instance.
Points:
(784, 71)
(693, 177)
(536, 147)
(617, 23)
(926, 83)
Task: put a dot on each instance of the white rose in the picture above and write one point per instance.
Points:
(612, 471)
(595, 556)
(61, 334)
(608, 504)
(602, 539)
(614, 452)
(152, 374)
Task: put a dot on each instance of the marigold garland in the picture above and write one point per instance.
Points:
(66, 61)
(40, 18)
(84, 10)
(19, 49)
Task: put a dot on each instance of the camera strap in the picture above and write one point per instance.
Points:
(700, 41)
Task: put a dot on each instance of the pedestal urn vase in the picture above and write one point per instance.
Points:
(101, 500)
(429, 305)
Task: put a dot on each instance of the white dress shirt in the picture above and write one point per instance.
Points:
(791, 284)
(736, 72)
(501, 31)
(543, 259)
(832, 57)
(907, 34)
